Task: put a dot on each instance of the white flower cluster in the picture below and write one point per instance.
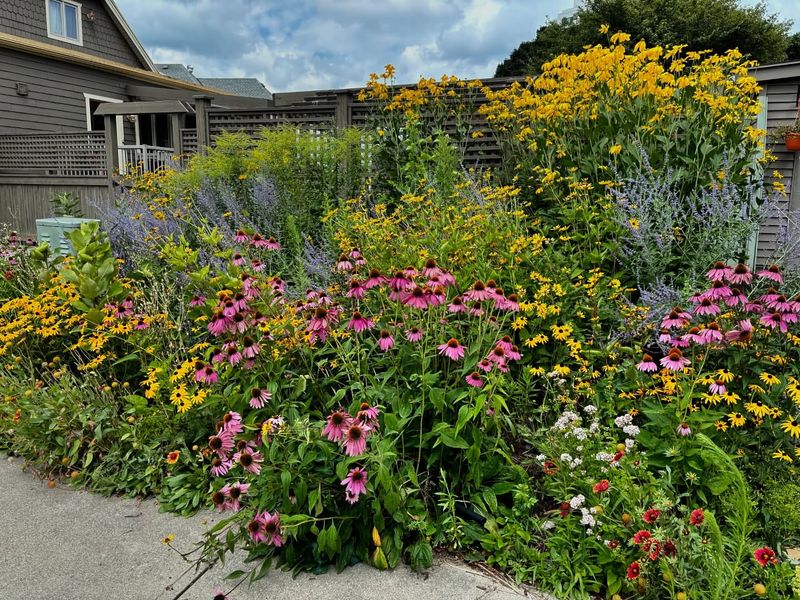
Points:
(566, 420)
(577, 501)
(573, 463)
(590, 409)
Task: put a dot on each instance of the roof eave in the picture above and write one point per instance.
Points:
(775, 71)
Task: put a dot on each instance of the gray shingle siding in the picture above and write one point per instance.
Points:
(28, 19)
(249, 88)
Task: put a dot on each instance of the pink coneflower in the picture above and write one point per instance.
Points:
(511, 303)
(272, 528)
(385, 340)
(711, 334)
(337, 425)
(220, 501)
(740, 275)
(719, 272)
(238, 260)
(456, 305)
(771, 295)
(241, 237)
(677, 318)
(220, 466)
(410, 271)
(141, 324)
(197, 301)
(256, 530)
(436, 296)
(416, 298)
(754, 307)
(431, 269)
(217, 356)
(237, 323)
(272, 244)
(718, 291)
(707, 307)
(222, 443)
(665, 337)
(478, 293)
(374, 279)
(452, 349)
(206, 374)
(474, 379)
(322, 320)
(228, 308)
(233, 355)
(232, 422)
(400, 282)
(250, 461)
(485, 365)
(359, 323)
(742, 334)
(737, 297)
(240, 301)
(344, 264)
(513, 353)
(217, 593)
(780, 304)
(257, 241)
(122, 311)
(647, 365)
(447, 279)
(505, 342)
(259, 397)
(355, 439)
(775, 319)
(356, 484)
(773, 273)
(684, 430)
(498, 355)
(257, 266)
(356, 289)
(368, 414)
(414, 335)
(691, 337)
(249, 348)
(718, 387)
(234, 493)
(674, 361)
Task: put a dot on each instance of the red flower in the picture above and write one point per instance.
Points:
(697, 517)
(765, 556)
(654, 549)
(612, 544)
(600, 486)
(640, 536)
(651, 515)
(633, 570)
(618, 456)
(565, 509)
(549, 467)
(670, 549)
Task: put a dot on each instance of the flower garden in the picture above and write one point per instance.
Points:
(358, 348)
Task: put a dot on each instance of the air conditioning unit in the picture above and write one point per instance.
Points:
(54, 232)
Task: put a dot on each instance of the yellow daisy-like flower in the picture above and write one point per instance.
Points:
(707, 380)
(769, 379)
(519, 323)
(562, 370)
(756, 389)
(721, 426)
(725, 375)
(791, 426)
(793, 390)
(603, 28)
(536, 371)
(758, 408)
(615, 149)
(736, 419)
(781, 455)
(173, 457)
(712, 399)
(561, 332)
(731, 397)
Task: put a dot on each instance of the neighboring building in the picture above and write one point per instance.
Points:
(80, 99)
(780, 97)
(247, 87)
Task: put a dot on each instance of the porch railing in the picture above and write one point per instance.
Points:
(146, 159)
(54, 154)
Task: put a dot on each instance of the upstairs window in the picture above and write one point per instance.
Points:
(64, 21)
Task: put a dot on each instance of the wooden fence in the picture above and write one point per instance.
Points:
(54, 155)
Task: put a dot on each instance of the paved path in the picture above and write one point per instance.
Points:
(63, 544)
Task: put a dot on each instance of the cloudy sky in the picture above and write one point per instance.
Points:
(314, 44)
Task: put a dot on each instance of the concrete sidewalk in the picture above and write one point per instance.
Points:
(63, 544)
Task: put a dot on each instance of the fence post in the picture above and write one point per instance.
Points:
(112, 147)
(343, 116)
(202, 104)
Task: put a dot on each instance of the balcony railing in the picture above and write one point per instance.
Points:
(146, 159)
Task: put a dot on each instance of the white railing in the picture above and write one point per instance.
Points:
(146, 159)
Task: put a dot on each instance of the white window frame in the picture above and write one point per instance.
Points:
(120, 122)
(64, 38)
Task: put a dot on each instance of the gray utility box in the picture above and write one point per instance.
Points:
(54, 231)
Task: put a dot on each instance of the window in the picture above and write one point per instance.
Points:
(64, 21)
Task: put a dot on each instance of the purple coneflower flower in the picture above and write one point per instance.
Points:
(719, 271)
(234, 493)
(400, 282)
(478, 293)
(355, 440)
(374, 279)
(385, 340)
(474, 379)
(675, 361)
(677, 318)
(718, 387)
(141, 324)
(359, 323)
(452, 349)
(718, 291)
(513, 353)
(684, 430)
(337, 426)
(344, 264)
(272, 528)
(356, 289)
(431, 269)
(356, 484)
(232, 422)
(711, 334)
(220, 465)
(780, 304)
(234, 357)
(707, 307)
(456, 305)
(217, 593)
(197, 301)
(775, 319)
(742, 334)
(259, 397)
(250, 348)
(272, 244)
(740, 275)
(414, 334)
(773, 273)
(241, 237)
(368, 414)
(257, 241)
(238, 260)
(250, 461)
(647, 365)
(485, 365)
(417, 298)
(257, 266)
(222, 443)
(737, 297)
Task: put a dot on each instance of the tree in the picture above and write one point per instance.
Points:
(793, 51)
(716, 25)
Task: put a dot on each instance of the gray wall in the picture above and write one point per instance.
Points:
(27, 18)
(55, 102)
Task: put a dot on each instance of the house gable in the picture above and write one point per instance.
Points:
(105, 33)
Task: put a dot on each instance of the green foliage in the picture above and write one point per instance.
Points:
(66, 204)
(716, 25)
(93, 270)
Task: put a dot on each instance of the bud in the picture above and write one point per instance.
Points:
(379, 560)
(760, 589)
